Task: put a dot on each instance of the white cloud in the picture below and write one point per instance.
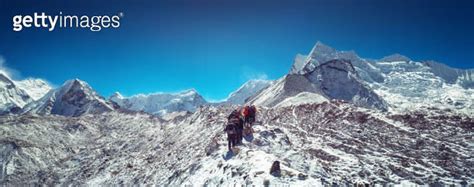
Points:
(250, 73)
(7, 71)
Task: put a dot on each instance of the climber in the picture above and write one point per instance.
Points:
(249, 113)
(234, 132)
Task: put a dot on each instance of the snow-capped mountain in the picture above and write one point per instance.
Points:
(401, 82)
(15, 94)
(248, 89)
(12, 97)
(322, 53)
(161, 103)
(36, 88)
(73, 98)
(334, 79)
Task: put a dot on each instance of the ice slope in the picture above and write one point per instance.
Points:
(331, 143)
(283, 88)
(161, 103)
(463, 77)
(413, 85)
(36, 88)
(73, 98)
(12, 97)
(248, 89)
(302, 98)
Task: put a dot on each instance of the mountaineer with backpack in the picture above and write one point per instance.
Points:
(249, 114)
(234, 129)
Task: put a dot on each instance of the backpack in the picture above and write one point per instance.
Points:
(234, 114)
(252, 111)
(245, 111)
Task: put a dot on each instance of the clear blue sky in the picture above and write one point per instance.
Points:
(215, 46)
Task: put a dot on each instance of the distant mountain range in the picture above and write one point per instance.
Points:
(161, 103)
(393, 83)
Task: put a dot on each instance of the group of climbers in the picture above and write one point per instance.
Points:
(239, 123)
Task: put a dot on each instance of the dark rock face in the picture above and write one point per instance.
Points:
(339, 80)
(81, 98)
(335, 79)
(322, 53)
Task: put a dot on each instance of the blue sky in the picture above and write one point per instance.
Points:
(215, 46)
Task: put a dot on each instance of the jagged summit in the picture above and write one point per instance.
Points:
(74, 98)
(321, 48)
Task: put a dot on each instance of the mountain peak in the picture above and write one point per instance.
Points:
(74, 98)
(75, 82)
(321, 48)
(191, 91)
(116, 95)
(36, 88)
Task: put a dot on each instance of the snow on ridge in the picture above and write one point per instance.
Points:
(248, 89)
(15, 94)
(302, 98)
(74, 98)
(186, 92)
(36, 88)
(161, 103)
